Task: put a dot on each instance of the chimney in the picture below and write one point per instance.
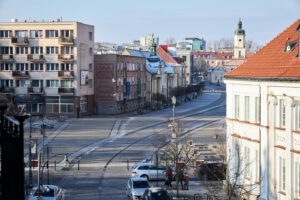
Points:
(298, 29)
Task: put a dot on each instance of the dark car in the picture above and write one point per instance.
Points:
(156, 193)
(213, 171)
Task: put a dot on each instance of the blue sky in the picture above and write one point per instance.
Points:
(125, 20)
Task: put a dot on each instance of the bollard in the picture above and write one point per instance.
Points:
(55, 165)
(78, 162)
(66, 161)
(127, 165)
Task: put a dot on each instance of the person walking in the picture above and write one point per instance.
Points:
(186, 180)
(179, 178)
(169, 177)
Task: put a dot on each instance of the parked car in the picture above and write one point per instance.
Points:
(136, 187)
(47, 192)
(150, 171)
(156, 194)
(211, 170)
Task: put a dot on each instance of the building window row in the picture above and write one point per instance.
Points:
(246, 108)
(37, 67)
(60, 104)
(69, 50)
(36, 33)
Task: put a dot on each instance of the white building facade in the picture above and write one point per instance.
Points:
(263, 120)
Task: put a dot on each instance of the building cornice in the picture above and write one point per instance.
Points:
(245, 138)
(246, 122)
(274, 79)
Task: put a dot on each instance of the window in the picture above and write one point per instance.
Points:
(281, 113)
(236, 106)
(247, 105)
(91, 51)
(52, 83)
(21, 50)
(21, 83)
(51, 33)
(51, 50)
(37, 83)
(282, 174)
(90, 67)
(257, 109)
(83, 104)
(297, 180)
(5, 34)
(60, 104)
(22, 66)
(36, 107)
(6, 50)
(66, 83)
(66, 50)
(91, 36)
(36, 50)
(52, 67)
(247, 162)
(297, 115)
(6, 66)
(6, 83)
(36, 33)
(257, 164)
(36, 67)
(21, 34)
(66, 66)
(66, 33)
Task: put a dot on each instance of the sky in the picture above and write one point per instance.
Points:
(122, 21)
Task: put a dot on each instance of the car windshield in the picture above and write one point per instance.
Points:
(161, 195)
(140, 184)
(45, 192)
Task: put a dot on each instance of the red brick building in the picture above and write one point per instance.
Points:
(120, 83)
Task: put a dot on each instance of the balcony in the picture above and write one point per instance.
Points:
(66, 74)
(65, 58)
(23, 41)
(7, 90)
(20, 74)
(35, 90)
(66, 91)
(7, 58)
(66, 40)
(36, 58)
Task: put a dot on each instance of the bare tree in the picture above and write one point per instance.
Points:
(235, 186)
(170, 41)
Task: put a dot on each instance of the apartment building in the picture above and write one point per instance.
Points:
(263, 119)
(120, 83)
(49, 65)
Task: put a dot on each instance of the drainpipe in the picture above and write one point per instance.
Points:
(298, 29)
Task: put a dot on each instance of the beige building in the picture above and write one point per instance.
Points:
(49, 64)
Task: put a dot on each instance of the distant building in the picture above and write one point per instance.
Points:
(120, 83)
(215, 75)
(148, 40)
(187, 56)
(194, 44)
(49, 65)
(263, 119)
(239, 50)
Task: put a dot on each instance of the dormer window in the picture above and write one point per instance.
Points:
(290, 46)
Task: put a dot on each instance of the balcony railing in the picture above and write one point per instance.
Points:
(6, 58)
(35, 90)
(8, 90)
(20, 74)
(23, 41)
(66, 40)
(35, 58)
(62, 90)
(65, 57)
(66, 74)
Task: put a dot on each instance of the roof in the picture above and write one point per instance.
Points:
(273, 60)
(162, 51)
(210, 54)
(138, 53)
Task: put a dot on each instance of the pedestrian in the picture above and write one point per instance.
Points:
(179, 178)
(186, 180)
(169, 177)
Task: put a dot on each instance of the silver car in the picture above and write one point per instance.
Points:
(136, 187)
(150, 171)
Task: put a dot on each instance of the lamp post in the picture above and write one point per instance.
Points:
(30, 153)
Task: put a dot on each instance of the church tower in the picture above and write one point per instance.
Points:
(239, 51)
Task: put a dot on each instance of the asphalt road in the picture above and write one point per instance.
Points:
(103, 146)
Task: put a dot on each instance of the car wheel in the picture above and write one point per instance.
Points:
(145, 176)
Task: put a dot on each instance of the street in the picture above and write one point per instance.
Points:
(103, 148)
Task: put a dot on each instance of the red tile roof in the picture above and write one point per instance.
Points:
(162, 51)
(273, 61)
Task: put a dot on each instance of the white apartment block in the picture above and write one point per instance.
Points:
(263, 119)
(50, 64)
